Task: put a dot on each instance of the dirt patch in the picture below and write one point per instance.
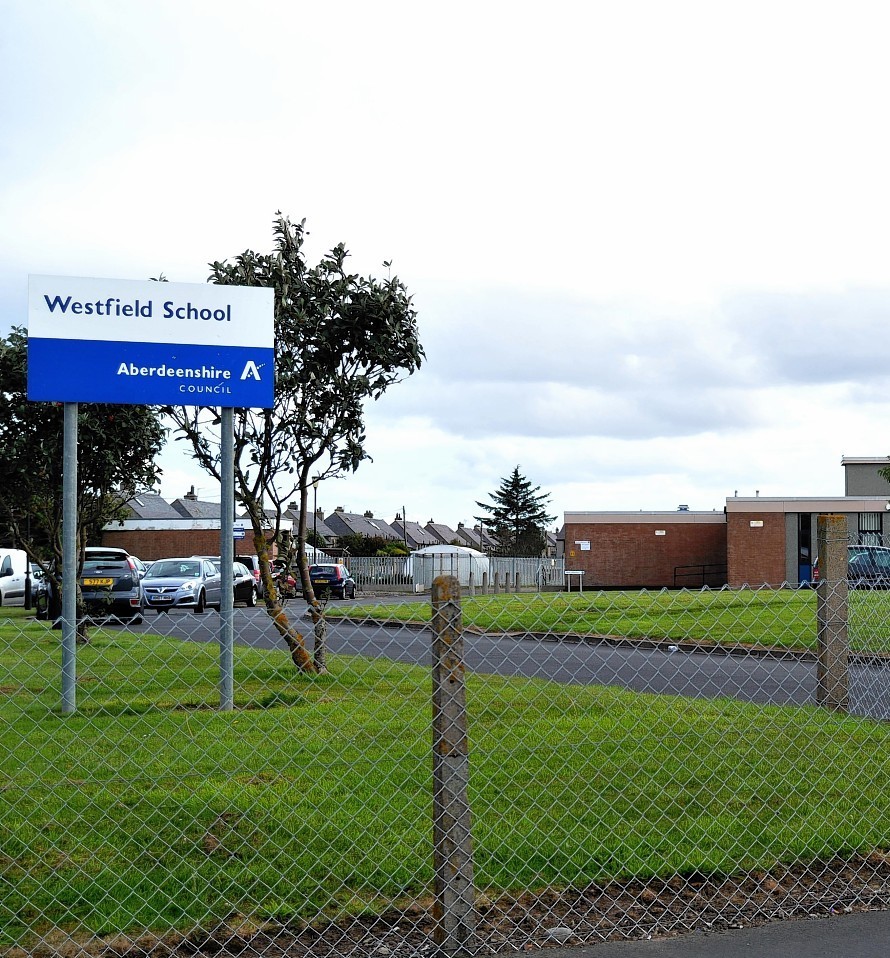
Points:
(509, 924)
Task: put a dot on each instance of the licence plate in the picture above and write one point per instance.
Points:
(98, 581)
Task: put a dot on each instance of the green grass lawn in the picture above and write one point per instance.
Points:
(149, 809)
(774, 618)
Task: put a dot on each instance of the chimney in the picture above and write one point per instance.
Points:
(191, 494)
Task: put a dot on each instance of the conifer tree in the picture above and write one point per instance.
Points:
(518, 517)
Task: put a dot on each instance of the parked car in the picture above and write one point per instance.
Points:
(331, 579)
(189, 583)
(38, 582)
(243, 585)
(244, 588)
(13, 565)
(110, 584)
(867, 567)
(253, 565)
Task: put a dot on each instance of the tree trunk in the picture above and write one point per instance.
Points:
(294, 639)
(320, 636)
(316, 609)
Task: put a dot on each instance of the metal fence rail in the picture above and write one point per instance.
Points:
(380, 574)
(638, 763)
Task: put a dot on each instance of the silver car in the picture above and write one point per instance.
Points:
(188, 583)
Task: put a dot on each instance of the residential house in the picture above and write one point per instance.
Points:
(445, 535)
(314, 523)
(191, 507)
(413, 533)
(343, 523)
(156, 529)
(476, 537)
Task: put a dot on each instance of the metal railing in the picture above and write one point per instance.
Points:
(712, 575)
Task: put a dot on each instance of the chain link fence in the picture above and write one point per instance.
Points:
(638, 764)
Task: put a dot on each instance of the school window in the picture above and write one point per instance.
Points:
(870, 528)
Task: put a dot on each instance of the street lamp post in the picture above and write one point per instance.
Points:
(315, 520)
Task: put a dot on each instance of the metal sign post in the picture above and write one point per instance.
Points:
(227, 558)
(144, 343)
(69, 559)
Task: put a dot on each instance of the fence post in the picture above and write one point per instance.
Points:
(485, 583)
(832, 688)
(453, 910)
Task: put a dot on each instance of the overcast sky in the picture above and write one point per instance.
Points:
(648, 242)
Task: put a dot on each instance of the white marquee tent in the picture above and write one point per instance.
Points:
(423, 565)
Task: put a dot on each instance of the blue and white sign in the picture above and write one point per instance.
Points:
(126, 341)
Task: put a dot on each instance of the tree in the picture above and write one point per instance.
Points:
(118, 445)
(340, 340)
(316, 539)
(518, 518)
(360, 546)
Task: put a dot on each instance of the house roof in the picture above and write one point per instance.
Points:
(351, 523)
(444, 534)
(196, 508)
(475, 537)
(414, 532)
(312, 522)
(149, 505)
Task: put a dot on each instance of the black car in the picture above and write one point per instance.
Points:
(867, 567)
(253, 566)
(110, 584)
(331, 580)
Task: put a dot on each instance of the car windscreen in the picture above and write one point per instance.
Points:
(166, 569)
(871, 559)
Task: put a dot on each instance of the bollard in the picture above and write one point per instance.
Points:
(453, 908)
(485, 583)
(832, 686)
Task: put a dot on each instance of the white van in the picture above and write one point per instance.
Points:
(13, 566)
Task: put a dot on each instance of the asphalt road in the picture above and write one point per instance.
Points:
(749, 678)
(860, 935)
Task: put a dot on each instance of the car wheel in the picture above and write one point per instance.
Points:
(201, 604)
(251, 599)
